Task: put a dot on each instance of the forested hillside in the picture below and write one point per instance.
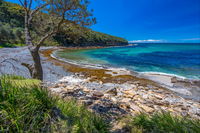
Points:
(12, 31)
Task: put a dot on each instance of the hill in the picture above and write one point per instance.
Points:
(12, 28)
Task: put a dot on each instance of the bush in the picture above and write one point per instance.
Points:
(25, 107)
(164, 123)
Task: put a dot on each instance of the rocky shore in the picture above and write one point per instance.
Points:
(114, 101)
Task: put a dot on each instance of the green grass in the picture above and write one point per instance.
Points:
(164, 123)
(26, 107)
(8, 45)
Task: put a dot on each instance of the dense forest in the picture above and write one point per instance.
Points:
(12, 31)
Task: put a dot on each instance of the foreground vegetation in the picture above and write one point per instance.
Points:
(12, 31)
(26, 107)
(164, 123)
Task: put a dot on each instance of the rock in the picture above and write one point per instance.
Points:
(100, 82)
(56, 90)
(173, 80)
(141, 87)
(108, 96)
(124, 106)
(158, 96)
(146, 108)
(112, 91)
(114, 99)
(69, 88)
(135, 108)
(86, 90)
(150, 87)
(170, 110)
(160, 102)
(87, 102)
(97, 94)
(129, 93)
(145, 96)
(59, 85)
(126, 100)
(136, 97)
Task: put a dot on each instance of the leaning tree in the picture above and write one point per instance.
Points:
(47, 18)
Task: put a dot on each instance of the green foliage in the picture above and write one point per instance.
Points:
(8, 45)
(11, 23)
(164, 123)
(25, 107)
(77, 36)
(12, 30)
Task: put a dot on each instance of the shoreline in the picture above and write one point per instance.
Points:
(187, 88)
(115, 94)
(111, 93)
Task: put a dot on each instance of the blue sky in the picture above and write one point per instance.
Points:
(148, 20)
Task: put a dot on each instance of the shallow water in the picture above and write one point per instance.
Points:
(177, 59)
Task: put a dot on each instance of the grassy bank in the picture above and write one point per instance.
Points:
(25, 107)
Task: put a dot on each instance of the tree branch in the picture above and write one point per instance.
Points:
(30, 4)
(35, 11)
(22, 3)
(55, 30)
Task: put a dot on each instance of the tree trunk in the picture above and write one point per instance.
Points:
(28, 39)
(37, 71)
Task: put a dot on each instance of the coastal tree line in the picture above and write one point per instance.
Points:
(12, 31)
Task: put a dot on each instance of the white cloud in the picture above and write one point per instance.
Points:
(145, 41)
(192, 39)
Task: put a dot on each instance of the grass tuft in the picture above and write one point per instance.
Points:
(165, 123)
(25, 107)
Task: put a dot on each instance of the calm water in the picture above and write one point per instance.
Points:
(179, 59)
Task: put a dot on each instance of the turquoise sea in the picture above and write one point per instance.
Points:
(170, 58)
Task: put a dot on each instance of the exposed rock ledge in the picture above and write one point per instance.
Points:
(115, 100)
